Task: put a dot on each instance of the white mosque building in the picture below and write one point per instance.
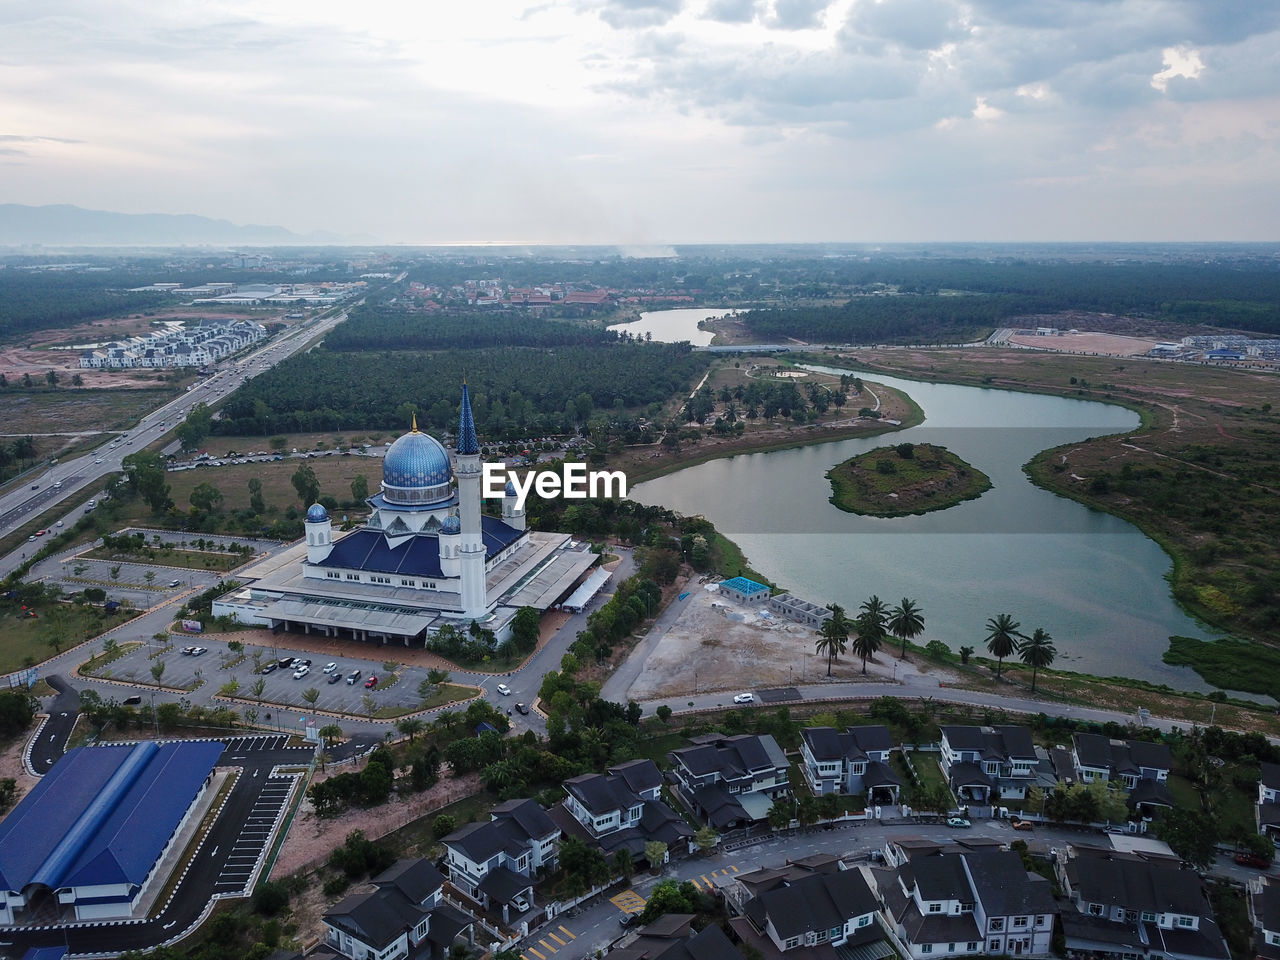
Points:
(426, 556)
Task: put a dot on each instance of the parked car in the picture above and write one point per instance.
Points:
(175, 583)
(1247, 859)
(133, 701)
(958, 822)
(504, 690)
(520, 903)
(1021, 824)
(626, 920)
(199, 651)
(188, 651)
(353, 676)
(330, 667)
(371, 682)
(301, 672)
(521, 708)
(743, 698)
(284, 662)
(271, 667)
(335, 677)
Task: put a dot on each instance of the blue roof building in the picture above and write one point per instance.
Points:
(90, 834)
(744, 590)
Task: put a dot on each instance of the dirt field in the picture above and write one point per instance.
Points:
(1103, 344)
(718, 644)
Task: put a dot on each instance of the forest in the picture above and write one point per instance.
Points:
(947, 300)
(389, 328)
(515, 391)
(44, 301)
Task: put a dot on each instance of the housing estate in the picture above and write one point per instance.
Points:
(176, 346)
(1264, 909)
(808, 907)
(985, 764)
(965, 900)
(1140, 767)
(856, 761)
(493, 862)
(671, 937)
(404, 916)
(1267, 807)
(731, 781)
(1135, 904)
(622, 810)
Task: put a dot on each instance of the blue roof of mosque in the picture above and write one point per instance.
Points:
(451, 524)
(419, 555)
(509, 490)
(316, 514)
(467, 441)
(416, 460)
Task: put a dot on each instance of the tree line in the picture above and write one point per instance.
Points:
(395, 328)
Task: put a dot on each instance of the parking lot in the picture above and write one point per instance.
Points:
(255, 835)
(213, 670)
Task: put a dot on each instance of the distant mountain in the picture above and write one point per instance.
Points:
(62, 224)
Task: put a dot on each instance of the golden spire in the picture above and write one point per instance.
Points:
(415, 421)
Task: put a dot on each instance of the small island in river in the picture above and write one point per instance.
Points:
(905, 479)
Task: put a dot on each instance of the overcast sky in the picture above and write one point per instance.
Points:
(654, 121)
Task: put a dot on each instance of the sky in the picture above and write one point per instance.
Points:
(654, 121)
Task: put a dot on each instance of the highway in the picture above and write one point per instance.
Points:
(63, 482)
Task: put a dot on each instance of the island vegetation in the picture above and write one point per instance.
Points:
(909, 478)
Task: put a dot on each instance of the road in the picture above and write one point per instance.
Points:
(63, 481)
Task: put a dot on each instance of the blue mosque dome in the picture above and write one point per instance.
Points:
(509, 490)
(451, 525)
(316, 514)
(417, 466)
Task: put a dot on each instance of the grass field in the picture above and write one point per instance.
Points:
(882, 483)
(25, 641)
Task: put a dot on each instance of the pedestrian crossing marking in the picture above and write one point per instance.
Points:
(557, 939)
(537, 954)
(566, 932)
(546, 946)
(628, 901)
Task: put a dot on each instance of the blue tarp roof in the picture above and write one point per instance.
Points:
(45, 953)
(419, 556)
(102, 814)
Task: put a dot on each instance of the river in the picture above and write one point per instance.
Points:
(1093, 581)
(670, 326)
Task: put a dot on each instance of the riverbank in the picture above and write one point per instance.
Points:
(909, 479)
(1197, 477)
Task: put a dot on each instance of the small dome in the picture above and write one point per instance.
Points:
(451, 525)
(316, 514)
(510, 489)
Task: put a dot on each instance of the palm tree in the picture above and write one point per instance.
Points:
(1037, 651)
(906, 622)
(870, 628)
(833, 636)
(873, 606)
(329, 733)
(410, 726)
(1002, 639)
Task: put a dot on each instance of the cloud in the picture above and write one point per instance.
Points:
(1178, 62)
(915, 24)
(798, 14)
(22, 138)
(630, 14)
(731, 11)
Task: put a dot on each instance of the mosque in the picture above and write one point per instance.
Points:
(426, 556)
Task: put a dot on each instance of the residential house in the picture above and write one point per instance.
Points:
(807, 908)
(1136, 904)
(671, 937)
(1140, 767)
(1267, 809)
(856, 761)
(404, 916)
(494, 862)
(731, 781)
(1264, 909)
(954, 900)
(986, 764)
(622, 810)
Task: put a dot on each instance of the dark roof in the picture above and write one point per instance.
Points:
(824, 743)
(968, 775)
(1135, 884)
(1153, 755)
(827, 744)
(1092, 750)
(1204, 942)
(528, 815)
(447, 924)
(937, 877)
(1271, 776)
(418, 555)
(1266, 906)
(418, 880)
(601, 794)
(993, 743)
(1120, 756)
(653, 942)
(820, 901)
(872, 737)
(480, 841)
(504, 884)
(732, 757)
(375, 918)
(880, 774)
(1005, 887)
(1151, 791)
(640, 775)
(719, 806)
(1080, 926)
(103, 815)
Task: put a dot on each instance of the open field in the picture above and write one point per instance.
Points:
(1108, 343)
